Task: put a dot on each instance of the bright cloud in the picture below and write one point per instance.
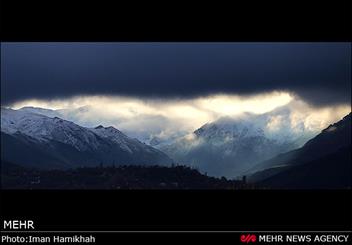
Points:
(143, 118)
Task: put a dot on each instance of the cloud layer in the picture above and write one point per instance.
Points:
(170, 118)
(320, 73)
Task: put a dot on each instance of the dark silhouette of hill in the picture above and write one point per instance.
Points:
(322, 160)
(332, 171)
(121, 177)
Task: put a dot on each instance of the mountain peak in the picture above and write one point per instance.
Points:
(61, 143)
(344, 122)
(348, 117)
(30, 107)
(229, 127)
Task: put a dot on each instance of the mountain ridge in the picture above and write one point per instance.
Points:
(331, 140)
(227, 146)
(69, 143)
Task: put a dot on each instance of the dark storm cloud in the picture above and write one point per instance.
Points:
(318, 72)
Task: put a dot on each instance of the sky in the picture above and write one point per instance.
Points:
(319, 72)
(169, 87)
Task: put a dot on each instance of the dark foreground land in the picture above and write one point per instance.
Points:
(121, 177)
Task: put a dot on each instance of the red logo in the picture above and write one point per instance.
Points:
(248, 238)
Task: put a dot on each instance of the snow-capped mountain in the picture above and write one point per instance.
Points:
(230, 146)
(228, 129)
(126, 143)
(226, 147)
(83, 117)
(71, 114)
(44, 129)
(42, 111)
(39, 140)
